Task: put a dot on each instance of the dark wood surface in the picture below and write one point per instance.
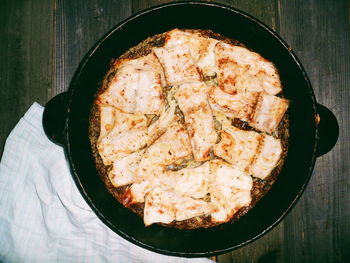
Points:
(42, 43)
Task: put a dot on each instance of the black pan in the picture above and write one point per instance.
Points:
(66, 122)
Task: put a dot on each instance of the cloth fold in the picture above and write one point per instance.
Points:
(43, 217)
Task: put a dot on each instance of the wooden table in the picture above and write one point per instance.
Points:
(42, 43)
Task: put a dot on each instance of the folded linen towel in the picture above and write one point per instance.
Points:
(43, 217)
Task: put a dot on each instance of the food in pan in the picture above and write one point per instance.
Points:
(189, 129)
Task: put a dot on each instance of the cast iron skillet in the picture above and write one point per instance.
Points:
(66, 119)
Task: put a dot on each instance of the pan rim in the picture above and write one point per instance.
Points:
(79, 184)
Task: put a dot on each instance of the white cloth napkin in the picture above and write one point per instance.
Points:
(43, 217)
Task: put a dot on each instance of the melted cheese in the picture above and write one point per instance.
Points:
(207, 58)
(238, 147)
(123, 170)
(241, 70)
(177, 37)
(159, 207)
(117, 145)
(171, 146)
(137, 192)
(202, 49)
(164, 206)
(263, 112)
(187, 208)
(229, 190)
(149, 93)
(107, 118)
(136, 86)
(268, 113)
(240, 105)
(115, 127)
(178, 64)
(191, 182)
(248, 151)
(121, 92)
(157, 128)
(149, 63)
(267, 158)
(193, 103)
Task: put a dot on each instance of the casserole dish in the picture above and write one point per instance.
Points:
(66, 121)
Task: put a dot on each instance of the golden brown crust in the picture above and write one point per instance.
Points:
(260, 187)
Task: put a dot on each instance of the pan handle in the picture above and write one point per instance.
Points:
(55, 118)
(328, 130)
(56, 113)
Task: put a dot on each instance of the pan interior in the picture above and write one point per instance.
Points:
(298, 164)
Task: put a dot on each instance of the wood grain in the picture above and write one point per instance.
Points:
(79, 24)
(138, 5)
(264, 10)
(26, 67)
(269, 247)
(318, 228)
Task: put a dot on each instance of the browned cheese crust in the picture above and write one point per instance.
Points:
(260, 187)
